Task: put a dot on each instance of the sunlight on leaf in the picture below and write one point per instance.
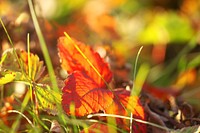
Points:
(87, 96)
(9, 62)
(72, 60)
(131, 104)
(8, 77)
(86, 88)
(47, 99)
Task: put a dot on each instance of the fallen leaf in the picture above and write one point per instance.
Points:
(88, 92)
(72, 60)
(17, 61)
(85, 94)
(124, 104)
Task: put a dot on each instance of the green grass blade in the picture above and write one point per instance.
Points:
(43, 47)
(15, 54)
(46, 57)
(15, 125)
(136, 63)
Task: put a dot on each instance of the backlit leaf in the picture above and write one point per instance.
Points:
(8, 77)
(124, 104)
(72, 60)
(47, 99)
(10, 62)
(85, 94)
(20, 68)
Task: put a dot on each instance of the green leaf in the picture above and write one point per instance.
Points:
(28, 67)
(8, 77)
(10, 62)
(48, 99)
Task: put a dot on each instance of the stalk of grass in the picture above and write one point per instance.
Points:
(47, 58)
(128, 118)
(29, 66)
(136, 63)
(38, 120)
(43, 47)
(138, 81)
(15, 111)
(35, 109)
(29, 58)
(72, 110)
(11, 43)
(15, 125)
(137, 86)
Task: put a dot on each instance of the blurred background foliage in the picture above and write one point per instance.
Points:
(169, 30)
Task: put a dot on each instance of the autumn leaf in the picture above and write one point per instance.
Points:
(72, 60)
(15, 65)
(19, 63)
(8, 77)
(87, 91)
(47, 99)
(124, 104)
(85, 94)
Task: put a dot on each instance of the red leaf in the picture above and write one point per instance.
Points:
(72, 60)
(87, 90)
(124, 103)
(87, 96)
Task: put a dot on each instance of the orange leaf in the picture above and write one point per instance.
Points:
(86, 89)
(72, 60)
(124, 103)
(86, 95)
